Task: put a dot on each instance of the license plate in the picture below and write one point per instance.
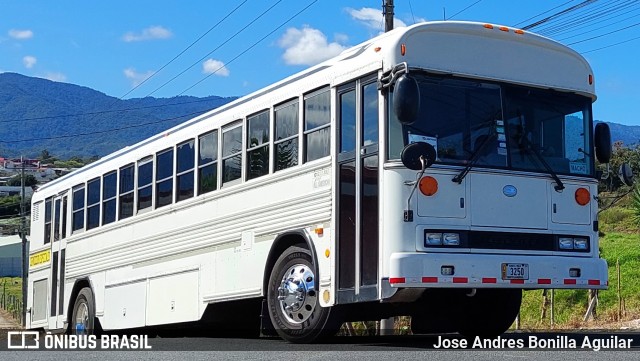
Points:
(515, 271)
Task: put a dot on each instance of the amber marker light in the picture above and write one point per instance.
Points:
(590, 79)
(327, 253)
(403, 49)
(428, 186)
(519, 32)
(488, 26)
(583, 196)
(377, 49)
(504, 28)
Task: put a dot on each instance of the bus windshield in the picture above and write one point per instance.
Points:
(498, 125)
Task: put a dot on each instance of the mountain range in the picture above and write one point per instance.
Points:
(38, 114)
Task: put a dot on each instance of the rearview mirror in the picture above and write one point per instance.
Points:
(412, 153)
(626, 174)
(406, 99)
(602, 140)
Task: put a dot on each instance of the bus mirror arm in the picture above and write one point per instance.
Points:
(408, 213)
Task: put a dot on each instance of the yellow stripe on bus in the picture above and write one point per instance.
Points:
(39, 258)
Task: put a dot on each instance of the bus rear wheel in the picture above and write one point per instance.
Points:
(84, 314)
(292, 299)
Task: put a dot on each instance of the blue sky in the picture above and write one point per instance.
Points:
(113, 46)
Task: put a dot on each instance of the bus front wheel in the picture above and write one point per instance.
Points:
(293, 299)
(84, 313)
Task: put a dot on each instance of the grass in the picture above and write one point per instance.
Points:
(10, 286)
(570, 306)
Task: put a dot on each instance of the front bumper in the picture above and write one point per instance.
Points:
(423, 270)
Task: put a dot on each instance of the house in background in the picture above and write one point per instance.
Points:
(10, 256)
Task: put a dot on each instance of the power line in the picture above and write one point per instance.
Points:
(609, 46)
(98, 131)
(542, 13)
(560, 13)
(605, 34)
(460, 12)
(602, 27)
(251, 47)
(185, 49)
(586, 19)
(105, 111)
(218, 47)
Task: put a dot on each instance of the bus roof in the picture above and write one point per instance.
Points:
(468, 49)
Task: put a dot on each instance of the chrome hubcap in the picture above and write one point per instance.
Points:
(82, 319)
(297, 293)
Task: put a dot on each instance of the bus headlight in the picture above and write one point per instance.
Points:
(450, 239)
(565, 243)
(433, 239)
(580, 244)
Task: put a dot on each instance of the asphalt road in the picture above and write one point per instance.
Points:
(357, 348)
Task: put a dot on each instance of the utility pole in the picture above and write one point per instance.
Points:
(25, 258)
(387, 325)
(387, 11)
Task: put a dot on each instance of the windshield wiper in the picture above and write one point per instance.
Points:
(474, 157)
(526, 145)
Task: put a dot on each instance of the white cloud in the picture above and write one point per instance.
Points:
(21, 34)
(55, 76)
(150, 33)
(212, 66)
(307, 46)
(372, 18)
(29, 61)
(135, 77)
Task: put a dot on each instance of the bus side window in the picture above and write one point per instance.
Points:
(47, 220)
(286, 137)
(184, 170)
(164, 178)
(258, 145)
(109, 183)
(93, 203)
(78, 208)
(126, 192)
(317, 122)
(232, 154)
(208, 162)
(145, 186)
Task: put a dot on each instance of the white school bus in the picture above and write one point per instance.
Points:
(434, 171)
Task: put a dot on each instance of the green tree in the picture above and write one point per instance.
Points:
(29, 181)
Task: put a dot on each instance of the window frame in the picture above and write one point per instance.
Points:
(74, 189)
(247, 143)
(214, 162)
(179, 174)
(305, 132)
(296, 136)
(132, 191)
(93, 205)
(228, 128)
(157, 182)
(103, 200)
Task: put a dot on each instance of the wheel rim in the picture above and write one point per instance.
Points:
(297, 293)
(82, 319)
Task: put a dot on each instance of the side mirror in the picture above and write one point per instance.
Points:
(406, 99)
(602, 140)
(412, 153)
(626, 174)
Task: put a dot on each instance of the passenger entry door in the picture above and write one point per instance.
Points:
(358, 190)
(58, 243)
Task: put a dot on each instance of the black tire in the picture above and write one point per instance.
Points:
(83, 317)
(489, 313)
(306, 324)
